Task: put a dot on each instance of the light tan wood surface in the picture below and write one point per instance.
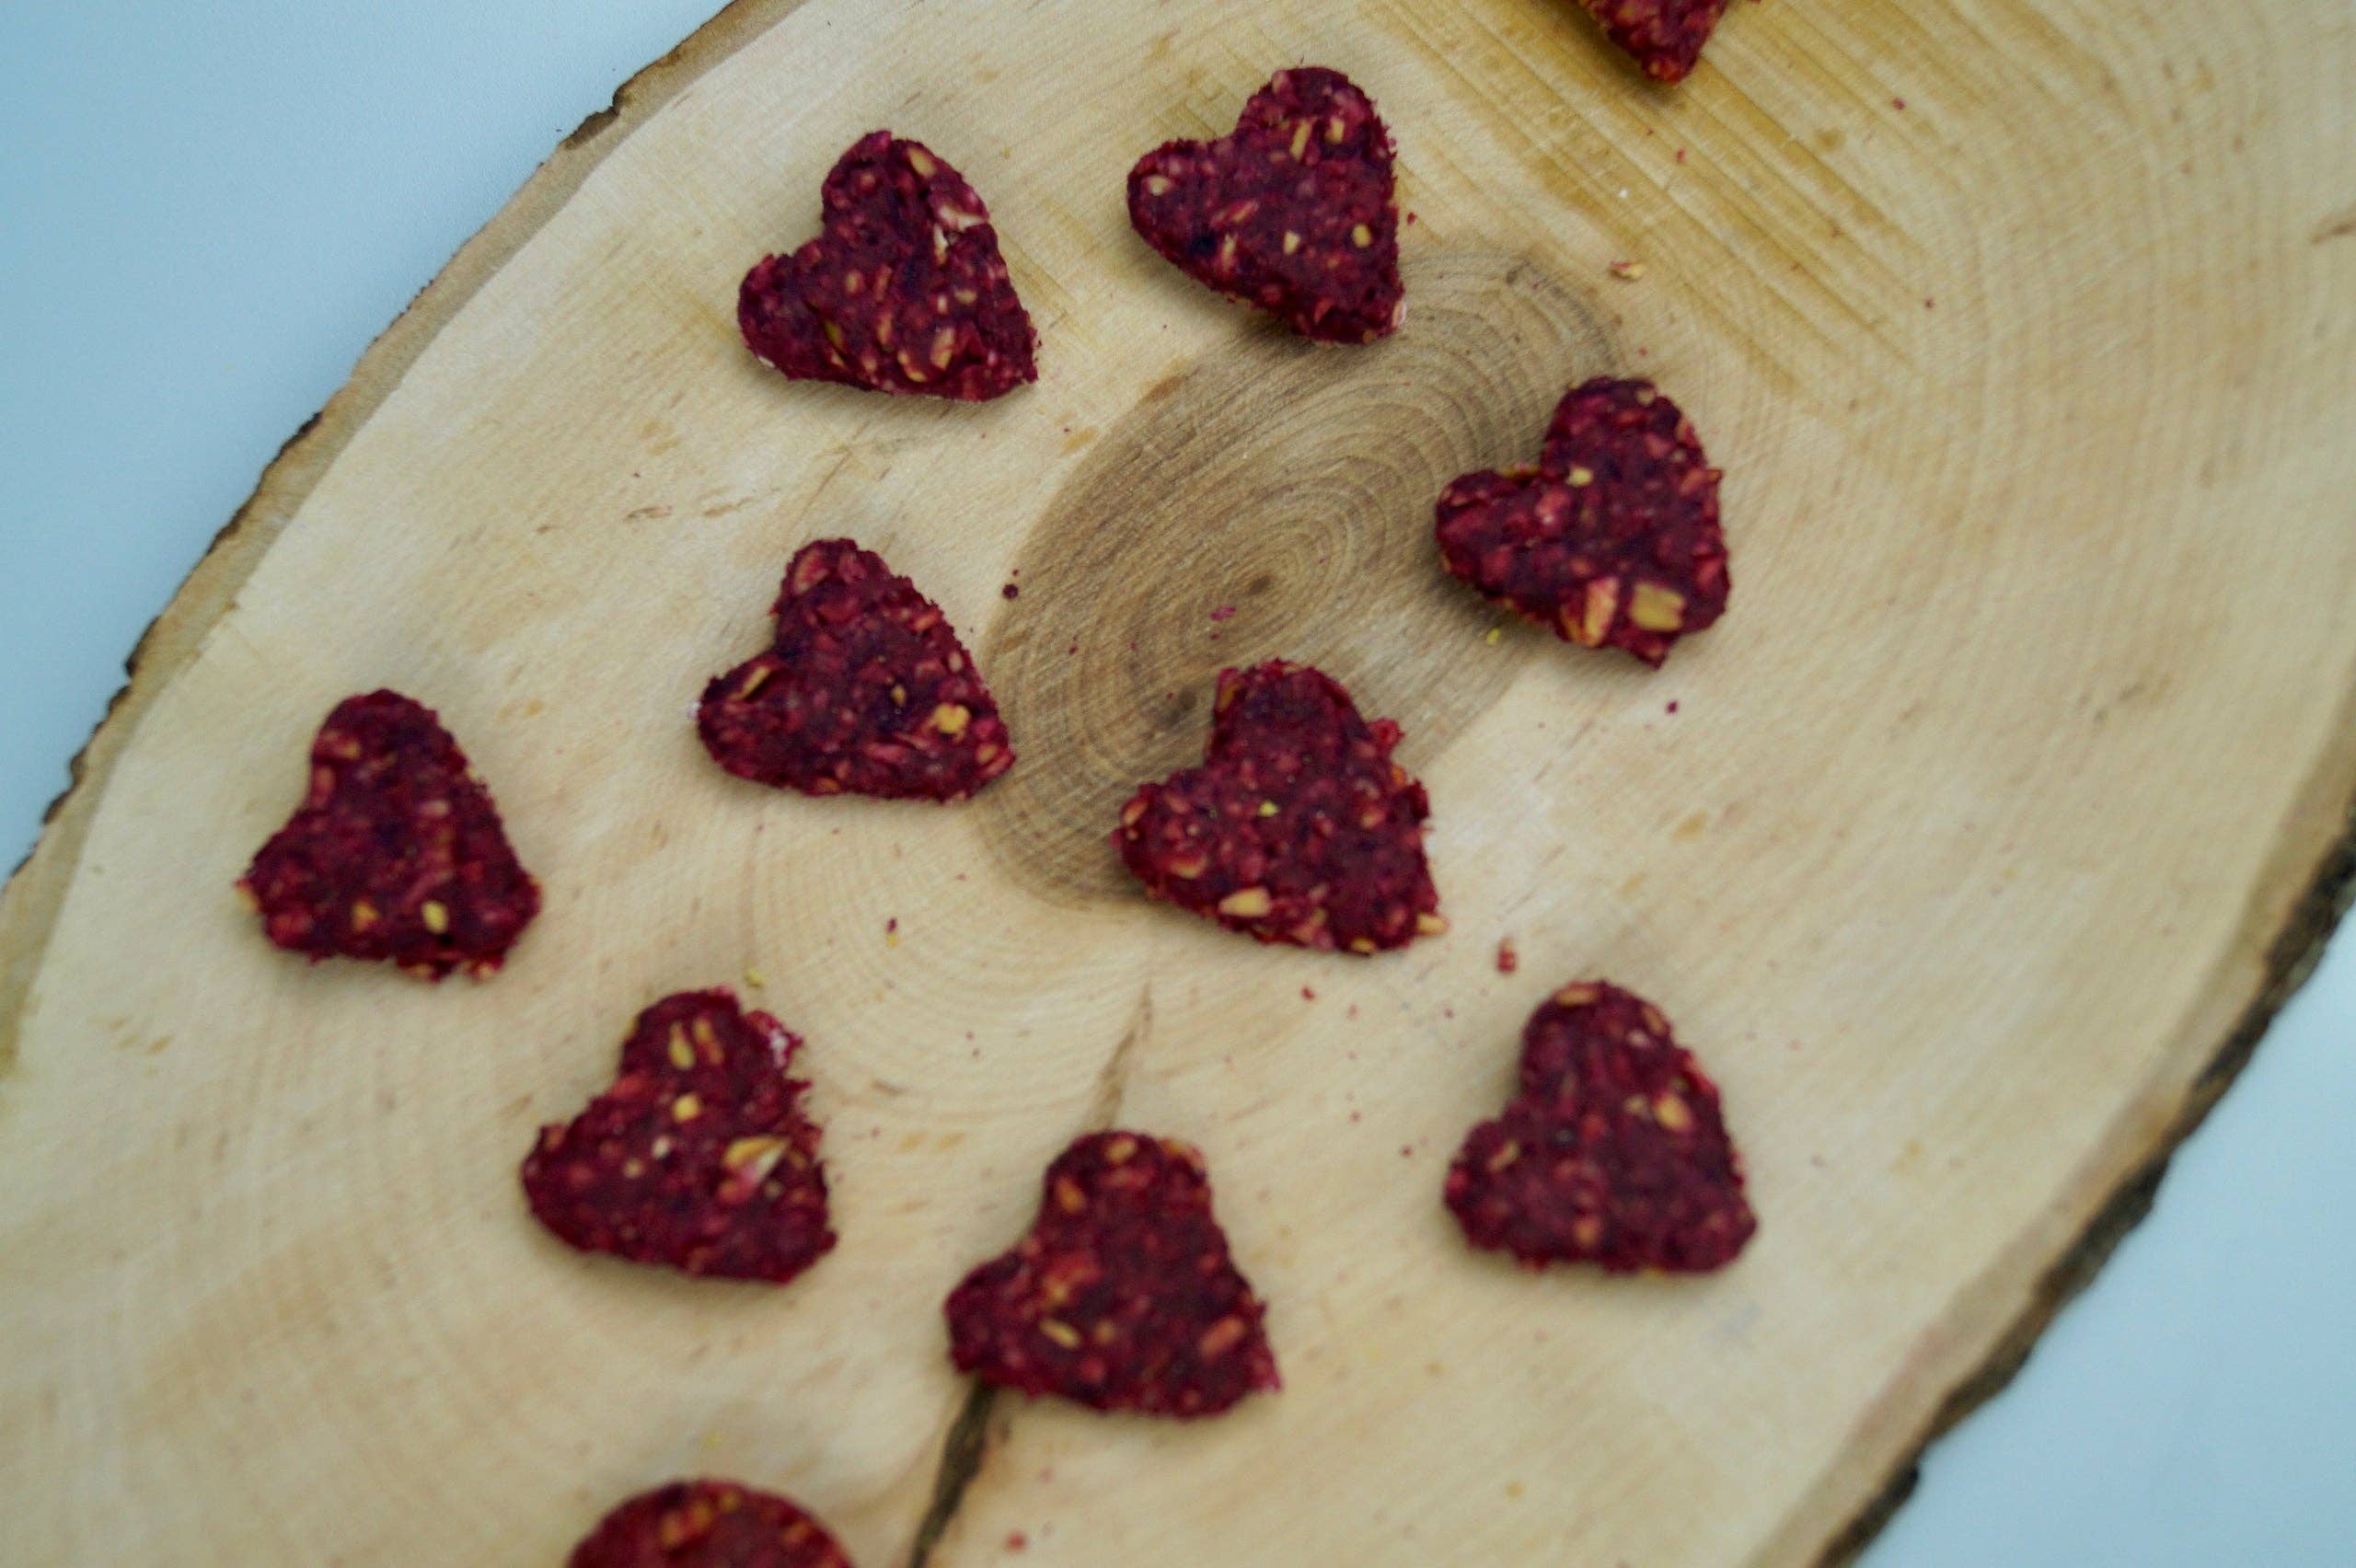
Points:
(1989, 825)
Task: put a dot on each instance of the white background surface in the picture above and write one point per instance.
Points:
(207, 211)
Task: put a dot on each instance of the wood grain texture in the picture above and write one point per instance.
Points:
(1992, 822)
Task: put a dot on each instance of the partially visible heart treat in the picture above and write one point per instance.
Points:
(707, 1524)
(1664, 36)
(698, 1157)
(1612, 538)
(1123, 1296)
(903, 291)
(865, 691)
(396, 853)
(1298, 827)
(1292, 211)
(1615, 1152)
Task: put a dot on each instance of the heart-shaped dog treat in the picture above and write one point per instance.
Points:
(707, 1524)
(903, 291)
(698, 1156)
(866, 691)
(396, 853)
(1615, 1152)
(1298, 827)
(1291, 211)
(1664, 36)
(1123, 1296)
(1613, 539)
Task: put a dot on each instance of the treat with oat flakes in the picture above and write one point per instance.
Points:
(707, 1524)
(1297, 827)
(1123, 1296)
(1663, 36)
(1615, 1152)
(397, 852)
(1612, 539)
(698, 1156)
(866, 691)
(1292, 211)
(903, 290)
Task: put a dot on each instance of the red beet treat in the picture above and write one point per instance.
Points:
(903, 291)
(1298, 827)
(1291, 211)
(396, 853)
(1613, 541)
(866, 691)
(1664, 36)
(1615, 1152)
(1123, 1296)
(698, 1156)
(707, 1524)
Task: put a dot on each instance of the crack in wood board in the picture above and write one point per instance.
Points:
(1114, 1080)
(963, 1449)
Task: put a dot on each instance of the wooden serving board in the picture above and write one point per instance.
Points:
(1972, 850)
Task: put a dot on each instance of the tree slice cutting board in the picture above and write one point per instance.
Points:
(1971, 850)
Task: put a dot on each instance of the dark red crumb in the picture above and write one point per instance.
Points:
(1611, 539)
(1614, 1151)
(1508, 959)
(698, 1156)
(1298, 827)
(707, 1524)
(1664, 36)
(865, 691)
(1291, 211)
(1123, 1296)
(1010, 592)
(903, 290)
(397, 852)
